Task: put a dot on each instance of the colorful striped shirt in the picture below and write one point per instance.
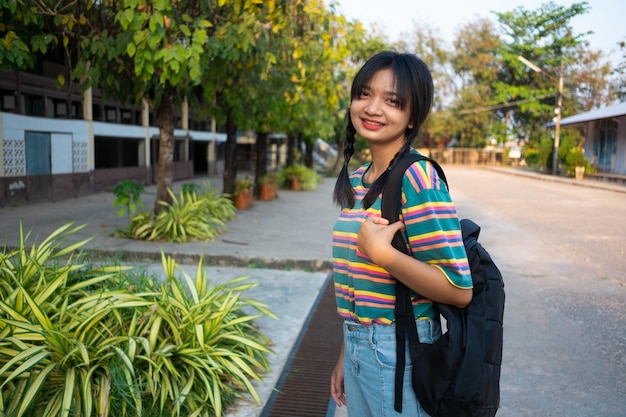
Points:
(365, 292)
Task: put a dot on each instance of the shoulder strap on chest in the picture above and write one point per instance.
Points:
(405, 320)
(393, 189)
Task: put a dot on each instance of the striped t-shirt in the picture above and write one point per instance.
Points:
(365, 292)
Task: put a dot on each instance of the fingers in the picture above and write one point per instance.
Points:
(381, 221)
(337, 391)
(377, 220)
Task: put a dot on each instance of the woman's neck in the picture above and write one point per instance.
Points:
(381, 158)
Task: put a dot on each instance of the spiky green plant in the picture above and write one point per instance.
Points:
(78, 339)
(192, 215)
(203, 350)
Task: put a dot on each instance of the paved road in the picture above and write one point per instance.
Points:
(561, 251)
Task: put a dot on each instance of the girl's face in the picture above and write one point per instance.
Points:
(375, 113)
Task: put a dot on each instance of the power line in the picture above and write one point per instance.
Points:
(499, 106)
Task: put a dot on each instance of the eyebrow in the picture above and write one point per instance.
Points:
(390, 92)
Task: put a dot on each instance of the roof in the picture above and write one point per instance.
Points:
(607, 112)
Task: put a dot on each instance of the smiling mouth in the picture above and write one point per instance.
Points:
(371, 123)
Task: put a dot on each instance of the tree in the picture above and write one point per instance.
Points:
(591, 78)
(620, 71)
(475, 67)
(22, 35)
(427, 44)
(544, 37)
(326, 52)
(133, 50)
(241, 59)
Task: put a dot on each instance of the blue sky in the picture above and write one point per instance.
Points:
(394, 17)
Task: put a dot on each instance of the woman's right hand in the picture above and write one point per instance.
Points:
(336, 382)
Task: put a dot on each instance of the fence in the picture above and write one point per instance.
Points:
(466, 156)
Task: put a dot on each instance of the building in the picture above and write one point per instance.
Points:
(56, 144)
(605, 137)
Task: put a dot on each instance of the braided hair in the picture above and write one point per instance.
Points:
(414, 87)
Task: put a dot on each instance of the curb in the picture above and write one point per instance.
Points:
(231, 261)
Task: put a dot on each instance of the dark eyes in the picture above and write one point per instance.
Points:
(392, 100)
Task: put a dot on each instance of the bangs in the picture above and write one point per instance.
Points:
(399, 73)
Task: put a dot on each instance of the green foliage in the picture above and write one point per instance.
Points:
(80, 339)
(532, 157)
(309, 178)
(191, 216)
(128, 197)
(575, 157)
(21, 35)
(269, 178)
(544, 37)
(546, 147)
(243, 185)
(191, 187)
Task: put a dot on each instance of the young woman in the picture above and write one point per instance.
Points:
(391, 97)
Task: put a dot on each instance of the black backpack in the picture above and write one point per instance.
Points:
(459, 374)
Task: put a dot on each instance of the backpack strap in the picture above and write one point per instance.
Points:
(405, 319)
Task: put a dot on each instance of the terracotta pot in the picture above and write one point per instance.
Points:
(295, 183)
(243, 200)
(267, 192)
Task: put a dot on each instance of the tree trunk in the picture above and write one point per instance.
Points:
(308, 154)
(230, 157)
(165, 122)
(261, 159)
(291, 148)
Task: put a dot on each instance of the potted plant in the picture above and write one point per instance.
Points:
(243, 193)
(267, 186)
(575, 163)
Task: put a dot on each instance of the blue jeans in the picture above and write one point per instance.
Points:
(369, 369)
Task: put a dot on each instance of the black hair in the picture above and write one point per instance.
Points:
(414, 88)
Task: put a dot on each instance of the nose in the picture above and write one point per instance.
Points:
(373, 107)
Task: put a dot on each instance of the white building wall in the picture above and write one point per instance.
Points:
(61, 159)
(70, 146)
(69, 143)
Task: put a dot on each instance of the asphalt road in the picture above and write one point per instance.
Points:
(561, 252)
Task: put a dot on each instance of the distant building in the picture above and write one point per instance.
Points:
(605, 136)
(56, 143)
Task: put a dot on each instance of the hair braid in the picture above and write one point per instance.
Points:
(379, 185)
(344, 192)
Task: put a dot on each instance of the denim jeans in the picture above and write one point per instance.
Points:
(369, 369)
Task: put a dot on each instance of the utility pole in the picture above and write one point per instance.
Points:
(557, 110)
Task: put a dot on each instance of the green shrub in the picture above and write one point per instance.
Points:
(191, 216)
(82, 340)
(308, 177)
(128, 197)
(575, 157)
(243, 185)
(532, 157)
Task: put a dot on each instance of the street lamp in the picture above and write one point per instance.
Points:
(557, 111)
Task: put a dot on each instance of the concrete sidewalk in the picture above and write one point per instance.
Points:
(291, 231)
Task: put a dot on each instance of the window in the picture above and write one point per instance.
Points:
(127, 116)
(34, 105)
(111, 114)
(60, 109)
(7, 103)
